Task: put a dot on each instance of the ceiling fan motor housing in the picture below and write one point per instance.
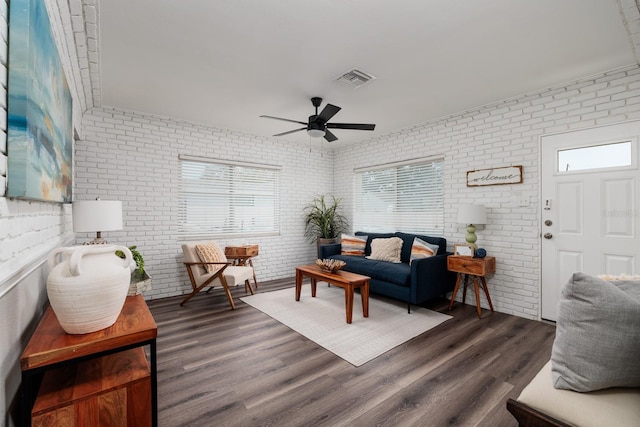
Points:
(314, 123)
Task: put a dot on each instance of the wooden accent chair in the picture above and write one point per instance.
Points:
(228, 275)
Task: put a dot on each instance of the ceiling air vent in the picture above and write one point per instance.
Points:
(355, 78)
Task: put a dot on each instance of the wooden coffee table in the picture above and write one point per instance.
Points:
(343, 279)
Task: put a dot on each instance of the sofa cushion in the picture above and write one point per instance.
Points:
(597, 342)
(353, 245)
(611, 407)
(421, 249)
(370, 237)
(386, 249)
(407, 239)
(398, 274)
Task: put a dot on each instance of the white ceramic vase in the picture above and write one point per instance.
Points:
(87, 286)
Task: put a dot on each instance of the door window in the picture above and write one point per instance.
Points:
(602, 156)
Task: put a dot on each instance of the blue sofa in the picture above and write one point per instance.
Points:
(424, 279)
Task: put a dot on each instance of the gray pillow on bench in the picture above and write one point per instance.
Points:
(597, 341)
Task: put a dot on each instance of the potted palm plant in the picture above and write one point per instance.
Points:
(323, 220)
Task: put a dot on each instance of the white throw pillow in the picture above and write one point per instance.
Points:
(386, 249)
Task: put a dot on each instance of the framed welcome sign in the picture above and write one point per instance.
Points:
(495, 176)
(39, 135)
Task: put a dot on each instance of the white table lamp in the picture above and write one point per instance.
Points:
(472, 215)
(97, 216)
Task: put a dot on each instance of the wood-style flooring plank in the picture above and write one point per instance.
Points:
(223, 367)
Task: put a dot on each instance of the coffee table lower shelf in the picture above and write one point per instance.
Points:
(343, 279)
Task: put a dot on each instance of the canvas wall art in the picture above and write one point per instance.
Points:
(39, 136)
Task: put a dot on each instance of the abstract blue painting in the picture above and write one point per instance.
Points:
(39, 136)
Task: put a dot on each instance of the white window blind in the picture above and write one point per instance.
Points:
(225, 199)
(405, 197)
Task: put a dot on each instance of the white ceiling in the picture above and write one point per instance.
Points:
(224, 63)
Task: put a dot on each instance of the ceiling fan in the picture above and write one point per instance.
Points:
(318, 125)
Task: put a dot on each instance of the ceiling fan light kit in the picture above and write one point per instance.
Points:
(318, 126)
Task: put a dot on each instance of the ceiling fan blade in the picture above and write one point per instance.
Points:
(291, 131)
(285, 120)
(329, 136)
(355, 126)
(328, 112)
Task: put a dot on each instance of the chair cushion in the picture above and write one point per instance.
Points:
(597, 342)
(236, 275)
(386, 249)
(211, 252)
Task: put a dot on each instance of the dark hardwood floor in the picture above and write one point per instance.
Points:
(218, 367)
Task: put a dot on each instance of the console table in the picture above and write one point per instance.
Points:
(51, 347)
(476, 268)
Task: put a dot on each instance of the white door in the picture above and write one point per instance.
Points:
(590, 216)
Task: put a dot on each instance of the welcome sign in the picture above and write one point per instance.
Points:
(495, 176)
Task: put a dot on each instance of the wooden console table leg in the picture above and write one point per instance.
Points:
(314, 286)
(255, 281)
(455, 290)
(486, 292)
(476, 288)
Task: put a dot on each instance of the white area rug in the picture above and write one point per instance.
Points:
(322, 320)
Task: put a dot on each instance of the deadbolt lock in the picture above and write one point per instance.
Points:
(548, 223)
(548, 236)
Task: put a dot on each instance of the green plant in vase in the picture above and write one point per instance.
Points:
(139, 273)
(323, 219)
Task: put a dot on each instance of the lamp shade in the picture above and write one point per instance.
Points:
(97, 215)
(472, 214)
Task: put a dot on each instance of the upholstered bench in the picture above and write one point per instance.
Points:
(593, 377)
(540, 404)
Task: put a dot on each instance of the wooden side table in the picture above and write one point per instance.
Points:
(50, 347)
(477, 268)
(241, 255)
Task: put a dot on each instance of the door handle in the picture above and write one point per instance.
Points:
(548, 236)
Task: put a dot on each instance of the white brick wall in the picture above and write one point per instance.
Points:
(501, 134)
(28, 230)
(134, 158)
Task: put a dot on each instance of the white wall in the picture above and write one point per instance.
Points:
(28, 232)
(502, 134)
(134, 158)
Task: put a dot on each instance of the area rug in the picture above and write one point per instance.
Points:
(322, 320)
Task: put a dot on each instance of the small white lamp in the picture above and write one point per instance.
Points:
(97, 216)
(472, 215)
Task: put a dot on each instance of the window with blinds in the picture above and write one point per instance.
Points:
(405, 197)
(225, 199)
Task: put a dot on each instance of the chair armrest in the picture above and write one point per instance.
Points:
(325, 251)
(187, 263)
(430, 278)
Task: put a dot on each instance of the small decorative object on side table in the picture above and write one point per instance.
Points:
(241, 255)
(477, 268)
